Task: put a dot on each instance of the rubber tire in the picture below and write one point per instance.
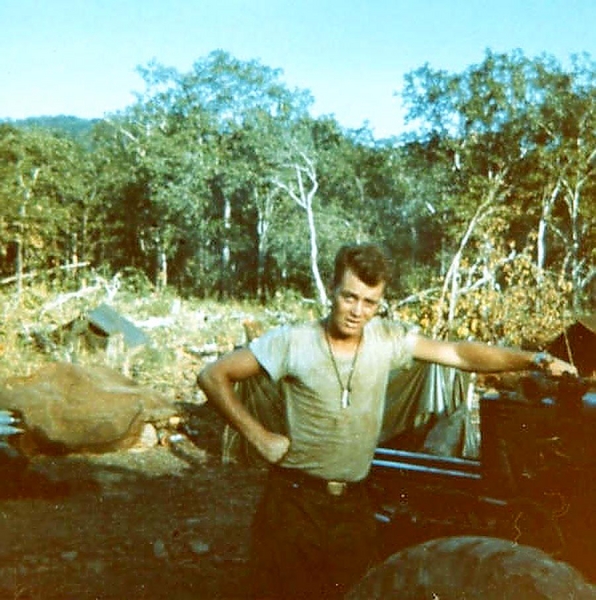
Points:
(472, 567)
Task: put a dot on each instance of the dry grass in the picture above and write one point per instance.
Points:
(183, 333)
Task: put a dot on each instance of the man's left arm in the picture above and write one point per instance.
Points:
(483, 358)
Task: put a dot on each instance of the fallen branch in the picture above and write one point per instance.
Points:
(63, 298)
(34, 274)
(111, 288)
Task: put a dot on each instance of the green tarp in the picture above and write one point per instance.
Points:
(424, 395)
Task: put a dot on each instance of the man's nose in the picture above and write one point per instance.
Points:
(357, 307)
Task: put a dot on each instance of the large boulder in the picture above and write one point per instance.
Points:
(69, 408)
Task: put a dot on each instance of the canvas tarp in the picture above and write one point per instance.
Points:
(425, 393)
(577, 345)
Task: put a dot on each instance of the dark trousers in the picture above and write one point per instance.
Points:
(309, 544)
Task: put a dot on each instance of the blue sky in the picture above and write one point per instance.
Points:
(78, 57)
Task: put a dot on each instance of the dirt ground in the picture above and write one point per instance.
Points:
(169, 522)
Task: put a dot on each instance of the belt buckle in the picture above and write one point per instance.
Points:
(336, 488)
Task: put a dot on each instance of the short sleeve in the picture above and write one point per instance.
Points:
(271, 351)
(402, 337)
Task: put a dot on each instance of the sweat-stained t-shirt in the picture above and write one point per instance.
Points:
(328, 440)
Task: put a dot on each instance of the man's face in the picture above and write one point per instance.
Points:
(354, 305)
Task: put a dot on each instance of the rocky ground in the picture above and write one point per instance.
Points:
(168, 522)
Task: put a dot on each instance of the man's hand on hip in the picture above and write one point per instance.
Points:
(273, 447)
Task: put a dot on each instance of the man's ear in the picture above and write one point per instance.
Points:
(331, 293)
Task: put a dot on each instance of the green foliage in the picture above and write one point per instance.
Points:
(75, 128)
(506, 313)
(514, 140)
(183, 333)
(46, 184)
(194, 188)
(521, 307)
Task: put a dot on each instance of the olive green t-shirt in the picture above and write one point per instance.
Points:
(328, 440)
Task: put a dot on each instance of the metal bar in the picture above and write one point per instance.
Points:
(421, 457)
(7, 418)
(426, 470)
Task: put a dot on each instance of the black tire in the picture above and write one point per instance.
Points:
(472, 567)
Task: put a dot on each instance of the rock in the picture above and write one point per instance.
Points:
(70, 408)
(182, 447)
(148, 438)
(159, 549)
(70, 555)
(199, 547)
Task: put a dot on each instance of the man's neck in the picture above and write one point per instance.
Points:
(341, 344)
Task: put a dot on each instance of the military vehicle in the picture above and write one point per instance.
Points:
(532, 486)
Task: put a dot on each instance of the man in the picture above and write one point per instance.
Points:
(314, 531)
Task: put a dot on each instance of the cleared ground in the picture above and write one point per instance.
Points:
(169, 522)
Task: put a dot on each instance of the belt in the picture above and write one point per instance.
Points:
(299, 479)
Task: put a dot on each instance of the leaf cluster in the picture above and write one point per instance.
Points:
(218, 182)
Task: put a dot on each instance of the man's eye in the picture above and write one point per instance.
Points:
(371, 305)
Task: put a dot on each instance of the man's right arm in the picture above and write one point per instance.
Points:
(217, 381)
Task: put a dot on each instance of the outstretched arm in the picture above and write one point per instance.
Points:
(482, 358)
(217, 381)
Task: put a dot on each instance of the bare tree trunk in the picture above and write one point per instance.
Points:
(161, 261)
(452, 278)
(83, 241)
(314, 255)
(264, 212)
(74, 249)
(572, 200)
(20, 252)
(547, 207)
(162, 265)
(451, 281)
(304, 198)
(21, 228)
(225, 250)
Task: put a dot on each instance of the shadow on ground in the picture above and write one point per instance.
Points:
(170, 522)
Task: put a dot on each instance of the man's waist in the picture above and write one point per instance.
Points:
(301, 479)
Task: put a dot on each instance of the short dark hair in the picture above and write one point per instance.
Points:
(368, 261)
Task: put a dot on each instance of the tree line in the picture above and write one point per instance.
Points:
(219, 181)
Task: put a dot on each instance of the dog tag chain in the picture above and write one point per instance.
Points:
(347, 389)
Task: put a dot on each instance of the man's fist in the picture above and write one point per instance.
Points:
(273, 447)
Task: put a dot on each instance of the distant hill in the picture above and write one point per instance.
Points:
(74, 127)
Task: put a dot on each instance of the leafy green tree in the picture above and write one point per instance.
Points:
(196, 134)
(567, 155)
(42, 186)
(486, 128)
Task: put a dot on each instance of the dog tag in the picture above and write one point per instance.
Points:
(345, 398)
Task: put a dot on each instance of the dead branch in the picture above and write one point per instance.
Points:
(418, 297)
(111, 288)
(33, 274)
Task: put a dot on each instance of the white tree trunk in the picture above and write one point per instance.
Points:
(225, 250)
(547, 207)
(452, 278)
(304, 198)
(264, 213)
